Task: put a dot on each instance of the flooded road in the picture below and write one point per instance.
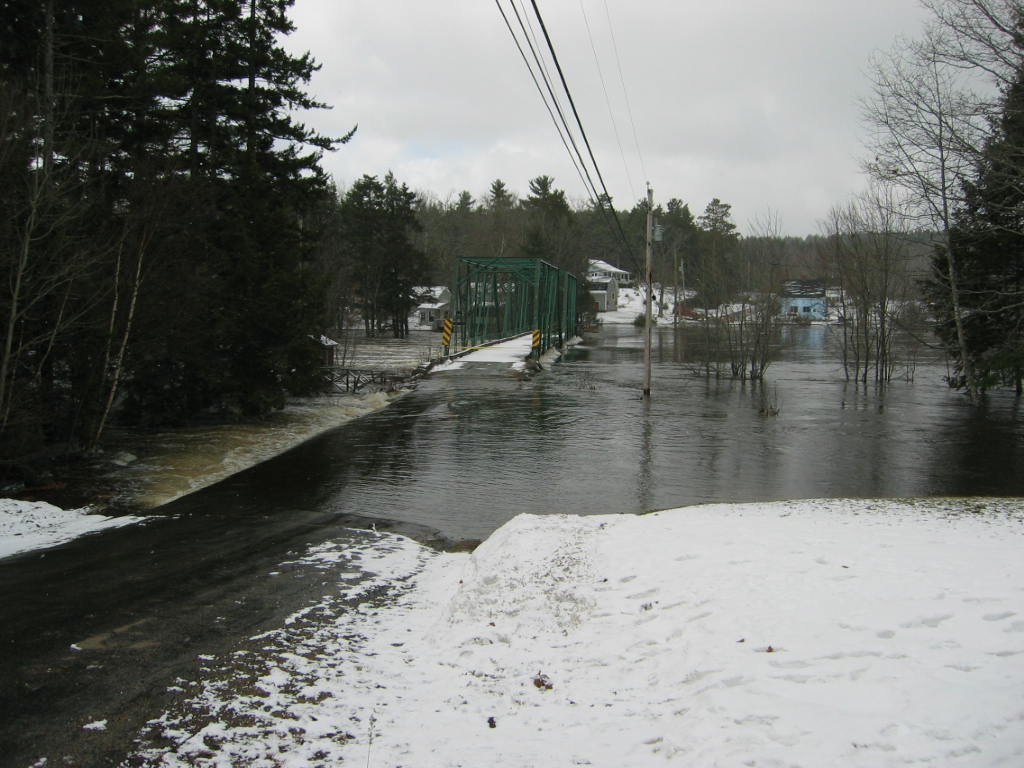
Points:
(469, 450)
(119, 616)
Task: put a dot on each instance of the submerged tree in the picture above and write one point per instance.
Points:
(679, 238)
(932, 114)
(750, 333)
(712, 273)
(869, 259)
(924, 131)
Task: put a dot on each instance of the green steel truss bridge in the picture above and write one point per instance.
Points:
(498, 298)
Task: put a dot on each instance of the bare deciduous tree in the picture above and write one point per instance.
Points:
(869, 251)
(978, 35)
(927, 125)
(739, 287)
(41, 262)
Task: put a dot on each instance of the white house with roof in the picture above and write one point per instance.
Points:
(603, 281)
(602, 270)
(434, 306)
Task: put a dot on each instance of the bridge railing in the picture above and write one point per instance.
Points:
(494, 298)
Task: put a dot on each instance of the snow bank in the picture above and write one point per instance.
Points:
(862, 633)
(178, 463)
(26, 525)
(631, 304)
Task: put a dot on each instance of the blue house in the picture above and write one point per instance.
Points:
(803, 299)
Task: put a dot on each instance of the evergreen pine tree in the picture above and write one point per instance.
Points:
(243, 174)
(378, 225)
(989, 236)
(549, 223)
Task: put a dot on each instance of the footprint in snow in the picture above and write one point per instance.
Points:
(928, 621)
(998, 616)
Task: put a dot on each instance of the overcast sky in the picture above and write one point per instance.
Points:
(750, 101)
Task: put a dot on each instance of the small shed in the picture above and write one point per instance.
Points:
(803, 299)
(604, 293)
(434, 307)
(328, 349)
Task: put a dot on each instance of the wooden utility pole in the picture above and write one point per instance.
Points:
(648, 321)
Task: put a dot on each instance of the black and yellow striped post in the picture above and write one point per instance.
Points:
(446, 334)
(535, 352)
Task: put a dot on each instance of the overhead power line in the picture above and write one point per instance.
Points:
(608, 102)
(568, 94)
(597, 191)
(550, 101)
(572, 103)
(625, 91)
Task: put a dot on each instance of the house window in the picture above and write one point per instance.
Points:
(792, 310)
(807, 309)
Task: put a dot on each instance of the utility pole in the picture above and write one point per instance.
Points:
(648, 322)
(675, 285)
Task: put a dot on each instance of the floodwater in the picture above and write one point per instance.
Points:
(471, 448)
(105, 627)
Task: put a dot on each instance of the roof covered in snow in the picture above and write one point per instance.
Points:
(596, 265)
(803, 289)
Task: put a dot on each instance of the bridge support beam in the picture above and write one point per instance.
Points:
(500, 297)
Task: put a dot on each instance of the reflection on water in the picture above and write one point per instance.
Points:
(474, 447)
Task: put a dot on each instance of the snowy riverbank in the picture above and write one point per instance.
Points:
(809, 633)
(804, 633)
(29, 525)
(164, 466)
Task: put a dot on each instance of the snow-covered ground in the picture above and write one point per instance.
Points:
(631, 304)
(28, 525)
(810, 633)
(511, 351)
(805, 633)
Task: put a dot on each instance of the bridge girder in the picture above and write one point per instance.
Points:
(495, 298)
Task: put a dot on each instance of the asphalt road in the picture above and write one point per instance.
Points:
(99, 628)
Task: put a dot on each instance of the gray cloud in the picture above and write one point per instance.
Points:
(751, 101)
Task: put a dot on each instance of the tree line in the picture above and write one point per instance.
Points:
(705, 251)
(947, 155)
(171, 246)
(157, 216)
